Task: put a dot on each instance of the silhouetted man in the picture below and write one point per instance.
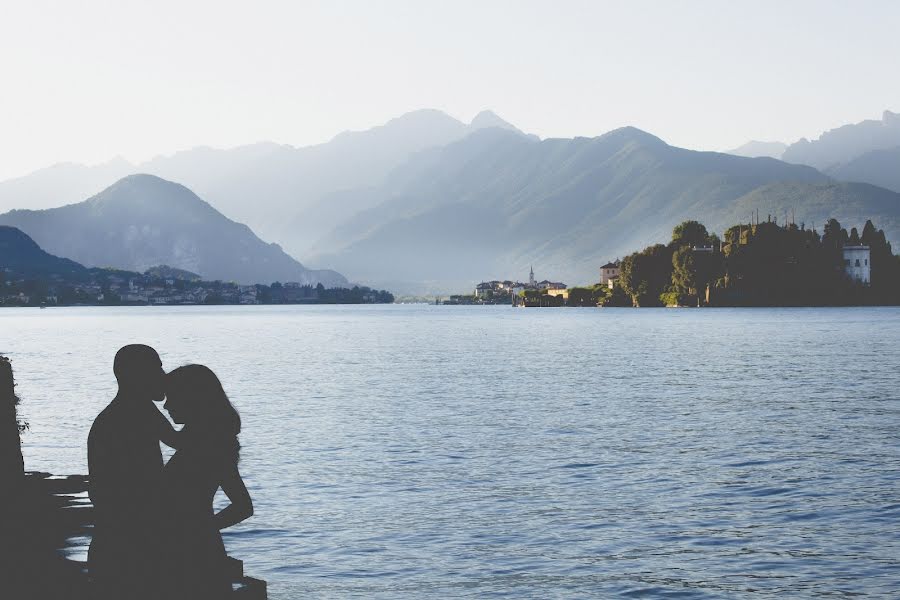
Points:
(125, 465)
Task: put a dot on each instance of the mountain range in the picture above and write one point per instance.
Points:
(277, 190)
(495, 203)
(426, 202)
(143, 221)
(846, 143)
(867, 152)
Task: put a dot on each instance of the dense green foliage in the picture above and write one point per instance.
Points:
(540, 298)
(647, 274)
(355, 295)
(760, 265)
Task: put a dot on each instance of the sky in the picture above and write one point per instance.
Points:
(90, 80)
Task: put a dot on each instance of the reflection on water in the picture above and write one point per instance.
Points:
(487, 451)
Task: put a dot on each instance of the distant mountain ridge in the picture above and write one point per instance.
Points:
(757, 149)
(60, 184)
(846, 143)
(262, 184)
(494, 203)
(878, 167)
(143, 221)
(427, 203)
(866, 152)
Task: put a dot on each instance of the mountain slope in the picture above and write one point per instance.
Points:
(60, 184)
(813, 204)
(878, 167)
(143, 221)
(756, 149)
(845, 143)
(494, 203)
(21, 254)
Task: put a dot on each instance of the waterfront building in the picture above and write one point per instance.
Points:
(857, 264)
(608, 272)
(551, 285)
(560, 292)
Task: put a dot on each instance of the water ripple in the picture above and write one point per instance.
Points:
(481, 452)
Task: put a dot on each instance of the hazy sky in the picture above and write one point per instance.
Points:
(85, 81)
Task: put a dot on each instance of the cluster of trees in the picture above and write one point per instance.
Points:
(673, 273)
(595, 295)
(355, 295)
(278, 293)
(598, 295)
(762, 264)
(106, 286)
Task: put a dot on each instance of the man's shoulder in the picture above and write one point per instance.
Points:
(121, 419)
(106, 421)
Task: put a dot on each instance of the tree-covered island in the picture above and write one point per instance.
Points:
(753, 264)
(764, 264)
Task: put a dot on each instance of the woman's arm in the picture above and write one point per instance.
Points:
(241, 507)
(167, 434)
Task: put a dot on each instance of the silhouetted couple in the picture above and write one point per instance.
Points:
(156, 534)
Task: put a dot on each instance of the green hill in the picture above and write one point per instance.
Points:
(19, 254)
(813, 204)
(878, 167)
(143, 221)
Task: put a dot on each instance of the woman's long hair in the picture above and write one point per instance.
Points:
(217, 423)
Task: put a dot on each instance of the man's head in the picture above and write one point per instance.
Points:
(139, 372)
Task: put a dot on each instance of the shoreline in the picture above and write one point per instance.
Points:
(53, 528)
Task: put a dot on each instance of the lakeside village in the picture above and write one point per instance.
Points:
(163, 286)
(754, 264)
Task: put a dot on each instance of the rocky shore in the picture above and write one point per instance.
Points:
(46, 535)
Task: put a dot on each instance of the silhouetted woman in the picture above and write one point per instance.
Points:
(207, 460)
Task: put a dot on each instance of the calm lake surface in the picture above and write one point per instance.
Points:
(421, 451)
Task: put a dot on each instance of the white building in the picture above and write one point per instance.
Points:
(483, 290)
(608, 272)
(857, 264)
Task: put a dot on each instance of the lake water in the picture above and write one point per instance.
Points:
(436, 452)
